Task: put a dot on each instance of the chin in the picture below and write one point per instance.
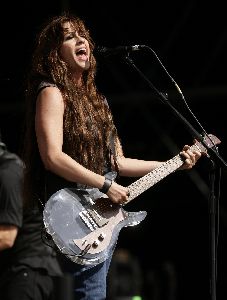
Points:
(87, 65)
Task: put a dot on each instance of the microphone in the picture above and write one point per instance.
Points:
(120, 50)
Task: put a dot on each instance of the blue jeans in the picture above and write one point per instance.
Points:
(90, 282)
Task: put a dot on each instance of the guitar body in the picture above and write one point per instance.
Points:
(85, 224)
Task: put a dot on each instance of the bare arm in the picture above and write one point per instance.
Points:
(8, 234)
(131, 167)
(137, 167)
(49, 131)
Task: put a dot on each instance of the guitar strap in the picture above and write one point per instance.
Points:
(113, 151)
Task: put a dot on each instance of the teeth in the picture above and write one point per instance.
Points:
(82, 49)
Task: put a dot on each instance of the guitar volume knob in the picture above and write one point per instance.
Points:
(95, 244)
(101, 236)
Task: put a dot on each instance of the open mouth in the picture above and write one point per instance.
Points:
(81, 51)
(81, 54)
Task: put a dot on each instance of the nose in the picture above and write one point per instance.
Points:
(80, 40)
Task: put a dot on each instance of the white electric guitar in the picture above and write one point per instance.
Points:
(84, 224)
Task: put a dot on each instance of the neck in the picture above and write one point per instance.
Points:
(77, 78)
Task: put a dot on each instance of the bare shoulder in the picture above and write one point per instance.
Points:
(50, 95)
(50, 91)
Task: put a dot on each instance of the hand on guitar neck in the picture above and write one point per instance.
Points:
(190, 156)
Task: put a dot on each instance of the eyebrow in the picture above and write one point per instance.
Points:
(69, 31)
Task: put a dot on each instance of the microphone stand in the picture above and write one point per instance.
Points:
(195, 134)
(214, 157)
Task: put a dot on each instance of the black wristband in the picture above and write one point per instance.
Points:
(107, 184)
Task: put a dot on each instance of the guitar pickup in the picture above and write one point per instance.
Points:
(99, 220)
(85, 216)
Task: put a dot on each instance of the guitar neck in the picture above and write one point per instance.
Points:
(168, 167)
(153, 177)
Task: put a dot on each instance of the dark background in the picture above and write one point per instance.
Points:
(173, 243)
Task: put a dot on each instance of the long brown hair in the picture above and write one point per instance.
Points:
(88, 123)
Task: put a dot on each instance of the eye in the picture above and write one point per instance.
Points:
(82, 34)
(69, 37)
